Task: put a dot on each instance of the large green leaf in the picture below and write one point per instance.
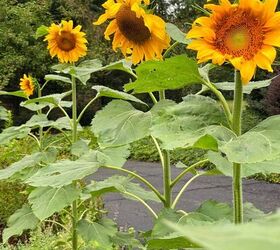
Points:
(4, 114)
(21, 220)
(11, 133)
(187, 123)
(122, 65)
(163, 237)
(247, 169)
(123, 185)
(115, 156)
(45, 201)
(119, 123)
(176, 34)
(258, 235)
(14, 93)
(52, 77)
(247, 89)
(97, 234)
(105, 91)
(62, 173)
(82, 72)
(261, 143)
(53, 100)
(26, 162)
(173, 73)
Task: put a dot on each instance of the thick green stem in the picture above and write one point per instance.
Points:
(236, 126)
(40, 129)
(166, 169)
(167, 179)
(74, 139)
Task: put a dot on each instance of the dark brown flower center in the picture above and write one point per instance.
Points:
(66, 41)
(239, 33)
(132, 27)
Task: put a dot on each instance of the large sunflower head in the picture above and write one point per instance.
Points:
(243, 34)
(27, 85)
(139, 35)
(66, 42)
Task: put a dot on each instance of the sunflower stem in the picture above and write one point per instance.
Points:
(166, 169)
(74, 139)
(40, 112)
(236, 126)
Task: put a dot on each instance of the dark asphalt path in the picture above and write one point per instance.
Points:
(128, 213)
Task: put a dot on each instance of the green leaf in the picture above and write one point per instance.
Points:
(189, 122)
(79, 148)
(45, 201)
(15, 93)
(49, 100)
(115, 156)
(172, 241)
(215, 210)
(41, 31)
(173, 73)
(247, 89)
(26, 162)
(159, 229)
(97, 234)
(4, 114)
(247, 169)
(21, 220)
(119, 123)
(258, 235)
(57, 78)
(176, 34)
(120, 184)
(195, 219)
(62, 173)
(105, 91)
(261, 143)
(126, 240)
(122, 65)
(11, 133)
(206, 142)
(84, 70)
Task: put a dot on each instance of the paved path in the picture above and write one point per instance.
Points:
(128, 213)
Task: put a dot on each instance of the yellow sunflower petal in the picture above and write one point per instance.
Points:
(247, 71)
(263, 62)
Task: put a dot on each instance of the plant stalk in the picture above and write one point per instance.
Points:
(74, 139)
(166, 169)
(167, 179)
(236, 127)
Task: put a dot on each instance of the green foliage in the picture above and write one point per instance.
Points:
(173, 73)
(123, 185)
(12, 197)
(21, 220)
(257, 235)
(183, 124)
(45, 201)
(119, 123)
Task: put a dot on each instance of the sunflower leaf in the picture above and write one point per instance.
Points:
(176, 34)
(173, 73)
(119, 123)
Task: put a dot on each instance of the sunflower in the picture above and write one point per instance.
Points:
(27, 85)
(243, 34)
(66, 42)
(139, 35)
